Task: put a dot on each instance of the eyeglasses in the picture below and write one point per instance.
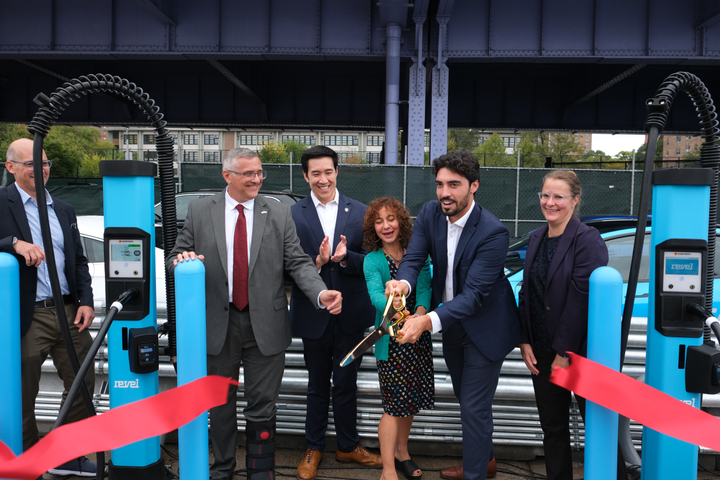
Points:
(545, 197)
(29, 165)
(251, 175)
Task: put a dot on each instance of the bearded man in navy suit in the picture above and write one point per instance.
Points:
(472, 302)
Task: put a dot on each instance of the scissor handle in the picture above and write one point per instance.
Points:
(391, 310)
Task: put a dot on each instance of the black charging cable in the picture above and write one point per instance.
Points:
(89, 361)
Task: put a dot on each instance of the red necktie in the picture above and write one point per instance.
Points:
(240, 262)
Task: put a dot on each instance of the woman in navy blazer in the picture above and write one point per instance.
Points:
(405, 371)
(553, 304)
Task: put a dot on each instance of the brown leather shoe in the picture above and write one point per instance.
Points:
(309, 464)
(456, 473)
(361, 456)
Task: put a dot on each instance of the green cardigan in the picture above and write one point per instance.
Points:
(377, 273)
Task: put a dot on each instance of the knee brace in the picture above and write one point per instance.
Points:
(260, 448)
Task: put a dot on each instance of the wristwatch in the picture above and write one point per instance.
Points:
(14, 241)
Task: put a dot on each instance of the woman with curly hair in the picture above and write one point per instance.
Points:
(406, 371)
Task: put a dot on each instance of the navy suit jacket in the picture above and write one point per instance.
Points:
(483, 302)
(580, 251)
(14, 224)
(357, 310)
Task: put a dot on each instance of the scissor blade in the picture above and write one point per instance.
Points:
(363, 346)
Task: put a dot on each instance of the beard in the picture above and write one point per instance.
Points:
(455, 207)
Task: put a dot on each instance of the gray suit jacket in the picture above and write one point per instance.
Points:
(275, 248)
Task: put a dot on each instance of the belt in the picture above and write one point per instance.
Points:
(50, 302)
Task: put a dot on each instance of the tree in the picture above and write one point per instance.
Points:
(564, 144)
(642, 151)
(273, 152)
(492, 153)
(462, 139)
(528, 150)
(67, 147)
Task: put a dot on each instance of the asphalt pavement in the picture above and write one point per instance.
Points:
(287, 459)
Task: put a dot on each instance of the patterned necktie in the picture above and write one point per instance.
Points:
(240, 262)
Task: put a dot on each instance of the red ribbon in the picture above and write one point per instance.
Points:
(644, 404)
(120, 426)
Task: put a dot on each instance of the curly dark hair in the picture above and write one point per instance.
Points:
(462, 163)
(371, 241)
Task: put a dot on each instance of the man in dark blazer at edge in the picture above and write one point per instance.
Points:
(21, 236)
(247, 243)
(329, 225)
(478, 316)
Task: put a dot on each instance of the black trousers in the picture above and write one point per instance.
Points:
(553, 405)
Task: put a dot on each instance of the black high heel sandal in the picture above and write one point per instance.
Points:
(407, 468)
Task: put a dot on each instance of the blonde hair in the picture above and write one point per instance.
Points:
(572, 181)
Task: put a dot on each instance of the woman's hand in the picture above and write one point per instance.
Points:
(420, 311)
(529, 358)
(560, 362)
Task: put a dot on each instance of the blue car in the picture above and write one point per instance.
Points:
(620, 246)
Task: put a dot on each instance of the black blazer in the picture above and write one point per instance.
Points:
(14, 224)
(581, 250)
(358, 312)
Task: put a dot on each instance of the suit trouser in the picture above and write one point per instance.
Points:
(322, 358)
(474, 378)
(44, 337)
(262, 378)
(553, 404)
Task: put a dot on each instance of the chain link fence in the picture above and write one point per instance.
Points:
(510, 193)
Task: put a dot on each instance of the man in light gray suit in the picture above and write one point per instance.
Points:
(246, 243)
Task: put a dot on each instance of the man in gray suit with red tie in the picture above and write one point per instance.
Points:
(246, 243)
(472, 302)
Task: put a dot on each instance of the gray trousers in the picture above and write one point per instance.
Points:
(262, 376)
(43, 338)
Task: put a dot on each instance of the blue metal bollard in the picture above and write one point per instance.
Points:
(192, 362)
(604, 329)
(11, 399)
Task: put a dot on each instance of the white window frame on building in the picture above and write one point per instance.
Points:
(374, 157)
(510, 142)
(211, 139)
(677, 152)
(375, 140)
(211, 157)
(191, 156)
(130, 139)
(340, 140)
(308, 140)
(190, 138)
(150, 155)
(255, 139)
(148, 139)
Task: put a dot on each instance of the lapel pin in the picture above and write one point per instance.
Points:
(347, 209)
(263, 212)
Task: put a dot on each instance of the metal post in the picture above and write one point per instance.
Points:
(192, 362)
(405, 184)
(440, 78)
(416, 103)
(292, 159)
(517, 192)
(632, 184)
(392, 92)
(11, 399)
(604, 332)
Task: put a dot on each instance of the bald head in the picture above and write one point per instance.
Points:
(19, 152)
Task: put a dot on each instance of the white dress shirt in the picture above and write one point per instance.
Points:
(453, 237)
(327, 214)
(231, 217)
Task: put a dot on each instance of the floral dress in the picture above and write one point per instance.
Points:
(407, 380)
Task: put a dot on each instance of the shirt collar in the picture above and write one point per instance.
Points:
(463, 220)
(231, 203)
(317, 202)
(25, 197)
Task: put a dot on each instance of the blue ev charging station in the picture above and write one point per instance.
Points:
(128, 196)
(678, 262)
